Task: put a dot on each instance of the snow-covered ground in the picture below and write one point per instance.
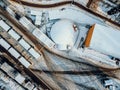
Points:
(74, 14)
(95, 57)
(82, 18)
(70, 12)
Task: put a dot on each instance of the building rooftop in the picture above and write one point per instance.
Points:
(64, 33)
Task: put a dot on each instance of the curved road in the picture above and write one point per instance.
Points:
(65, 3)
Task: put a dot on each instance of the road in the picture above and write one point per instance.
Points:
(65, 3)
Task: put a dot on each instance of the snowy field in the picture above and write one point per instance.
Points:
(80, 17)
(74, 14)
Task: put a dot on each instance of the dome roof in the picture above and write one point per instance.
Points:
(64, 33)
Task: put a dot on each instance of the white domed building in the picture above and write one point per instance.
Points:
(64, 33)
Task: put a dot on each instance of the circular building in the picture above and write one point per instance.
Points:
(64, 33)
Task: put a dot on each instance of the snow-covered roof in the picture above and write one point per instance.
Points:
(19, 78)
(24, 44)
(37, 15)
(108, 82)
(14, 52)
(63, 33)
(29, 85)
(104, 39)
(43, 38)
(4, 43)
(27, 24)
(34, 12)
(24, 62)
(34, 53)
(7, 68)
(15, 35)
(4, 25)
(38, 20)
